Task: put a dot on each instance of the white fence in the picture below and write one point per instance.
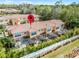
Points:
(43, 51)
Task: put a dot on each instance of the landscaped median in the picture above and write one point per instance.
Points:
(32, 48)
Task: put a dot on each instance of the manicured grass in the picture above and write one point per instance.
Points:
(62, 50)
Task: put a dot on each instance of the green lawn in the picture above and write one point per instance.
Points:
(62, 50)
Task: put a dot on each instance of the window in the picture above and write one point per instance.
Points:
(17, 34)
(62, 26)
(33, 33)
(49, 29)
(39, 30)
(25, 32)
(57, 27)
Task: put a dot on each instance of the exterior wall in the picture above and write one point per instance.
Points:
(17, 38)
(38, 32)
(31, 36)
(4, 22)
(2, 34)
(6, 33)
(47, 30)
(54, 29)
(11, 20)
(36, 18)
(60, 27)
(9, 33)
(23, 34)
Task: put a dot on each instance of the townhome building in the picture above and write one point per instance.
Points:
(13, 19)
(36, 29)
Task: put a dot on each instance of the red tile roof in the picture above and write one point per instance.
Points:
(15, 17)
(34, 27)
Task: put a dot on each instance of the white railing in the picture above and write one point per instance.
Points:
(43, 51)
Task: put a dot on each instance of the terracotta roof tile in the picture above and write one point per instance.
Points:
(34, 27)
